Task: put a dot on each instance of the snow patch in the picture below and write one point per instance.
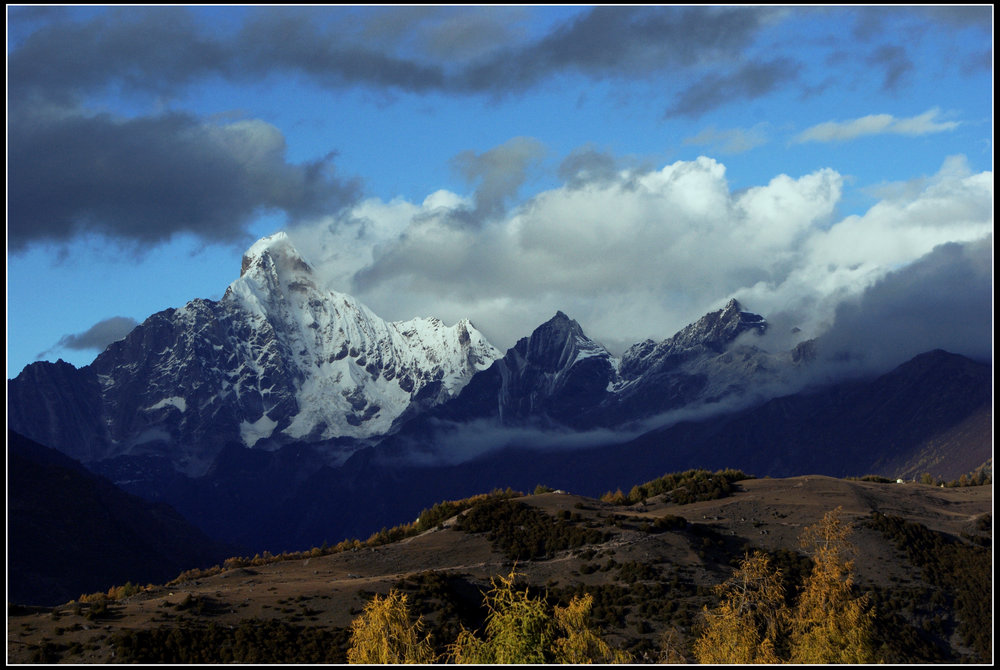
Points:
(258, 430)
(176, 402)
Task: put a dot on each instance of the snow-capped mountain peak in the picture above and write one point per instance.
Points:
(272, 253)
(278, 359)
(357, 374)
(716, 330)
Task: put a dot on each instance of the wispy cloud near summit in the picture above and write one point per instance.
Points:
(876, 124)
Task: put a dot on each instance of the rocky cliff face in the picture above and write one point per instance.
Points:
(700, 363)
(560, 377)
(279, 359)
(711, 334)
(550, 377)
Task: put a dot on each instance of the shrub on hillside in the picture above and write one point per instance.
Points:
(524, 532)
(681, 488)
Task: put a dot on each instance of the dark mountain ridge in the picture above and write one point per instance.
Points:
(560, 378)
(70, 532)
(289, 499)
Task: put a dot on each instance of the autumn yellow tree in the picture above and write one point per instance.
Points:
(830, 623)
(518, 629)
(751, 617)
(383, 634)
(580, 643)
(522, 629)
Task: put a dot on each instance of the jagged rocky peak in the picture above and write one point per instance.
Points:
(560, 327)
(559, 342)
(717, 329)
(713, 332)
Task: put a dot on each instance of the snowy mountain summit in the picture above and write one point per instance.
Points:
(278, 359)
(353, 373)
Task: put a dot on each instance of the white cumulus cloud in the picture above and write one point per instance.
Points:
(642, 254)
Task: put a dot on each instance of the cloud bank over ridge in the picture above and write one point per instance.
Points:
(639, 254)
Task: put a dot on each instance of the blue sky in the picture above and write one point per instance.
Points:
(634, 167)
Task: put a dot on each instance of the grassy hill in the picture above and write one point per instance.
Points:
(650, 561)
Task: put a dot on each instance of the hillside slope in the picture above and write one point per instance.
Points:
(71, 532)
(646, 577)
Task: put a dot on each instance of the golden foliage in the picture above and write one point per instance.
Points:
(614, 498)
(830, 624)
(672, 647)
(745, 627)
(521, 629)
(580, 643)
(114, 593)
(383, 634)
(518, 628)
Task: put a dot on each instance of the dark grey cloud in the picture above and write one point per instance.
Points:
(500, 172)
(98, 336)
(407, 48)
(626, 42)
(26, 19)
(871, 22)
(148, 49)
(751, 81)
(447, 33)
(941, 301)
(161, 50)
(480, 50)
(587, 165)
(144, 180)
(895, 63)
(295, 42)
(961, 17)
(980, 61)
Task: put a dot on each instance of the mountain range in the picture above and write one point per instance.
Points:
(277, 360)
(287, 414)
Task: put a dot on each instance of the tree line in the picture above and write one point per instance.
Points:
(753, 623)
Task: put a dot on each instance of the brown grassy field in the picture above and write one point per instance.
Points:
(324, 593)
